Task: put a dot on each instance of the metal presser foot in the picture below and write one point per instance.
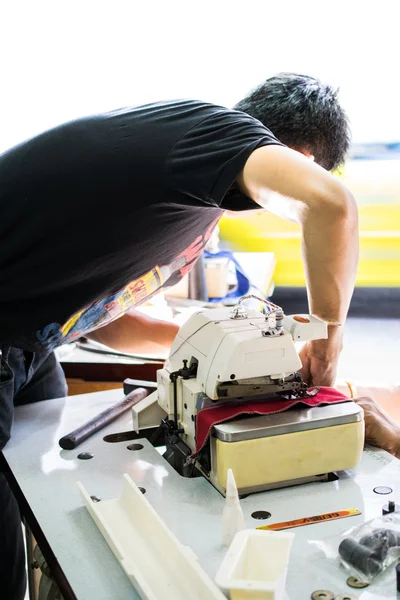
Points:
(300, 393)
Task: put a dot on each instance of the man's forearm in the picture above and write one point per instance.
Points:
(135, 332)
(330, 250)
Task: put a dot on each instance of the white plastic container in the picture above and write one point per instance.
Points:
(255, 565)
(217, 271)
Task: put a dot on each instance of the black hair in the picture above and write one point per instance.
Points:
(302, 113)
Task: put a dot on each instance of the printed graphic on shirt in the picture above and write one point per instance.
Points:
(101, 313)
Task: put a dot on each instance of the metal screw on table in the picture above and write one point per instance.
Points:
(85, 455)
(390, 507)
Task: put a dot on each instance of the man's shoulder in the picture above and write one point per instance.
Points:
(182, 107)
(178, 110)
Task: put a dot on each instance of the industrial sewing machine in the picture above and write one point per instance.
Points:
(237, 356)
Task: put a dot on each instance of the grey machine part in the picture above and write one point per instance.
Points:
(288, 422)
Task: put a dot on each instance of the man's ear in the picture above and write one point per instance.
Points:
(305, 153)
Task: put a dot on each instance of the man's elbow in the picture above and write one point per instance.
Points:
(346, 208)
(340, 200)
(339, 205)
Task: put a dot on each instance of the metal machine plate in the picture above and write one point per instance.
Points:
(290, 421)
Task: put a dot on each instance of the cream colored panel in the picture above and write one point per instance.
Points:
(290, 456)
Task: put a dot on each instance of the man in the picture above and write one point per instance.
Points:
(101, 213)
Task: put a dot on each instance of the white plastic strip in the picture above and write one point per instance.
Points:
(157, 564)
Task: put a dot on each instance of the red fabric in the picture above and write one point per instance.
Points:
(208, 417)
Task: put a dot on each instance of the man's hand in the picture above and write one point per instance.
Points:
(380, 429)
(319, 359)
(317, 370)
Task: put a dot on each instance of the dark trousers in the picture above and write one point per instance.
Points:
(24, 377)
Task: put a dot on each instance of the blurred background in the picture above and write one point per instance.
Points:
(59, 61)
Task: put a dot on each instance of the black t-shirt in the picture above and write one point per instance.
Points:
(99, 214)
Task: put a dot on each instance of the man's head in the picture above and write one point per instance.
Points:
(303, 114)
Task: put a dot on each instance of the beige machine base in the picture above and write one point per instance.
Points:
(265, 463)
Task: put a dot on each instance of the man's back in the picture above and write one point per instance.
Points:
(99, 213)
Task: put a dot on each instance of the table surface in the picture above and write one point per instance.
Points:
(91, 352)
(191, 508)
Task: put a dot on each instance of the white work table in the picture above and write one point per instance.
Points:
(46, 476)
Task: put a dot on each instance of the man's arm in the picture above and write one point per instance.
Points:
(135, 332)
(290, 185)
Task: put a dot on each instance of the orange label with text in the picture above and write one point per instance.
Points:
(340, 514)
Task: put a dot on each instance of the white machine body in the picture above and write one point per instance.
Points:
(243, 350)
(225, 347)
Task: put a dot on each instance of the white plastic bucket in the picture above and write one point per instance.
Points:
(255, 565)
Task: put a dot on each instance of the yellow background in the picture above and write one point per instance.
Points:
(376, 187)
